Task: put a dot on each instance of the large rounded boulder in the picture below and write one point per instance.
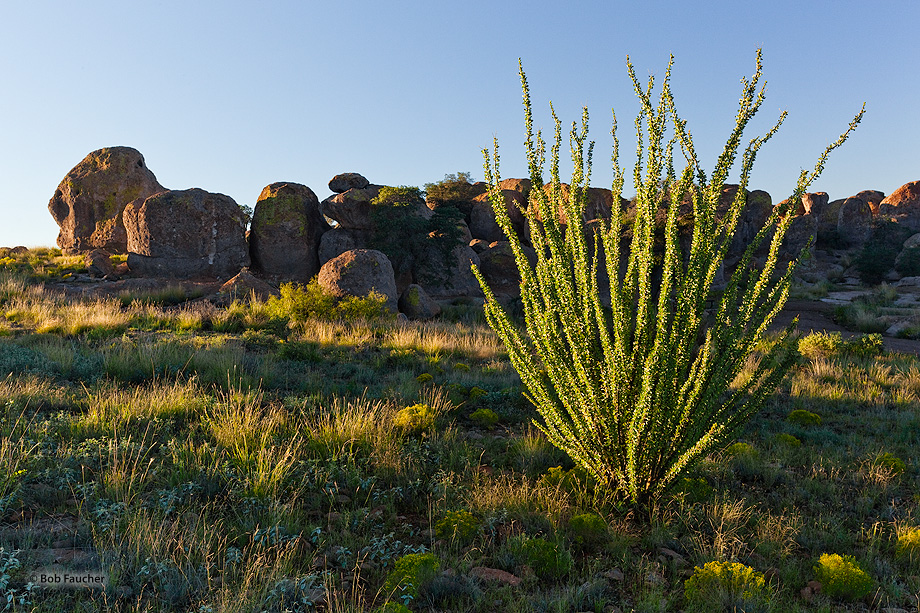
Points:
(855, 221)
(185, 234)
(89, 202)
(346, 181)
(358, 273)
(903, 206)
(286, 231)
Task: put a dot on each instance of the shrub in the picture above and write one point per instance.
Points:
(405, 236)
(820, 344)
(572, 481)
(841, 577)
(909, 544)
(548, 560)
(787, 440)
(801, 417)
(639, 391)
(424, 378)
(741, 450)
(303, 302)
(893, 463)
(726, 586)
(878, 255)
(476, 393)
(415, 418)
(461, 526)
(588, 530)
(454, 190)
(486, 418)
(908, 262)
(866, 345)
(409, 574)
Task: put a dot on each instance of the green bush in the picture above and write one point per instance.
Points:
(415, 419)
(878, 255)
(908, 262)
(866, 345)
(741, 450)
(726, 586)
(303, 302)
(455, 190)
(638, 392)
(405, 236)
(588, 530)
(909, 544)
(820, 344)
(841, 577)
(460, 526)
(571, 481)
(424, 378)
(801, 417)
(893, 463)
(409, 574)
(548, 560)
(486, 418)
(787, 440)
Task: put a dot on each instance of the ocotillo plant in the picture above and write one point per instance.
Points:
(638, 392)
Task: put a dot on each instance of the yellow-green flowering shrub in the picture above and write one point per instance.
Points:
(460, 526)
(891, 462)
(909, 544)
(409, 574)
(787, 440)
(424, 378)
(820, 344)
(416, 418)
(841, 577)
(801, 417)
(726, 586)
(486, 418)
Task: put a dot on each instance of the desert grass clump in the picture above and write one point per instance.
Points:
(639, 392)
(727, 586)
(415, 419)
(820, 344)
(841, 577)
(908, 546)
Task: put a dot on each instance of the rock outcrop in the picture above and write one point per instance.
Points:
(185, 234)
(286, 230)
(358, 273)
(903, 206)
(89, 202)
(346, 181)
(417, 304)
(482, 217)
(855, 221)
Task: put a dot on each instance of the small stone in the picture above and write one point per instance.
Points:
(815, 586)
(614, 574)
(495, 575)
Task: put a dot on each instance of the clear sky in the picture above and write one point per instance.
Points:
(233, 95)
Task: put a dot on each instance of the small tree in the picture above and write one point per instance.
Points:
(638, 391)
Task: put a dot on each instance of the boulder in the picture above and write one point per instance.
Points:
(358, 273)
(285, 234)
(813, 203)
(355, 210)
(351, 209)
(758, 209)
(903, 206)
(459, 195)
(346, 181)
(854, 221)
(802, 230)
(827, 218)
(872, 197)
(499, 268)
(245, 284)
(482, 217)
(518, 185)
(99, 263)
(448, 275)
(185, 234)
(338, 240)
(478, 245)
(417, 304)
(89, 202)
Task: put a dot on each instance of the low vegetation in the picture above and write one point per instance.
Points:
(260, 466)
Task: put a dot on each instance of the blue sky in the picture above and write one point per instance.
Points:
(231, 96)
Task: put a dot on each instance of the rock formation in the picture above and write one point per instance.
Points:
(286, 230)
(358, 273)
(185, 234)
(903, 206)
(89, 202)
